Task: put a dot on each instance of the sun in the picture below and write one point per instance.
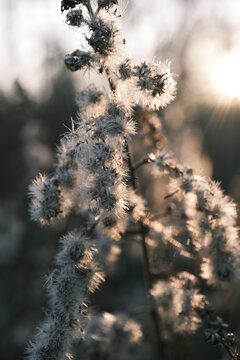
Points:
(226, 76)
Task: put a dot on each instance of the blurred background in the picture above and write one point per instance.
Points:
(37, 101)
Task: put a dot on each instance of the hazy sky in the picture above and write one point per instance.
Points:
(29, 27)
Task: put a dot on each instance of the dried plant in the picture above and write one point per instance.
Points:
(95, 174)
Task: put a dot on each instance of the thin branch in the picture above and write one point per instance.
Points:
(140, 310)
(181, 247)
(131, 232)
(170, 195)
(130, 167)
(90, 10)
(141, 163)
(164, 273)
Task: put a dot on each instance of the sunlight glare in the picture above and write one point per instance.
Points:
(227, 75)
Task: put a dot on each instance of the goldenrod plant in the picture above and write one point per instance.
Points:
(95, 174)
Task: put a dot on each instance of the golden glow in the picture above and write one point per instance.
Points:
(227, 75)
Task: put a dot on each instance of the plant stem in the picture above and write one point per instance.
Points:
(90, 10)
(141, 163)
(146, 270)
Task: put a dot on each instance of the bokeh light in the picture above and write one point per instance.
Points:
(226, 75)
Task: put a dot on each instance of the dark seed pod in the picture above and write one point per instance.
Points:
(102, 37)
(70, 4)
(74, 17)
(78, 60)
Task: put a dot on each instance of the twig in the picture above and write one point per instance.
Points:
(141, 310)
(141, 162)
(130, 166)
(170, 195)
(90, 10)
(181, 247)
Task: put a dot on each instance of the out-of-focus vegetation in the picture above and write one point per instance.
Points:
(29, 131)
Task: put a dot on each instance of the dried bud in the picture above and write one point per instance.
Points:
(74, 17)
(125, 70)
(102, 37)
(231, 340)
(106, 3)
(78, 60)
(148, 79)
(90, 99)
(212, 336)
(205, 309)
(70, 4)
(46, 199)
